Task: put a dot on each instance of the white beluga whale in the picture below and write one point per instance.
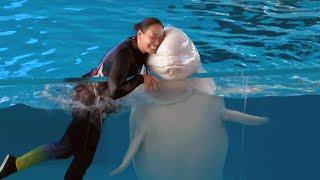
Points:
(180, 132)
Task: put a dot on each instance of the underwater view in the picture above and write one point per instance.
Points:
(236, 94)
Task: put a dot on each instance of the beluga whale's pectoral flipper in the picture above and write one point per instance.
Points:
(135, 143)
(137, 137)
(236, 116)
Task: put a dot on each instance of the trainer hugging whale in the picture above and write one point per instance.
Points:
(180, 133)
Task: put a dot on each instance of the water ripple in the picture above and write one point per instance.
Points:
(6, 33)
(16, 58)
(28, 66)
(15, 4)
(4, 99)
(78, 61)
(32, 41)
(92, 48)
(230, 36)
(84, 53)
(51, 69)
(17, 17)
(50, 51)
(74, 9)
(3, 49)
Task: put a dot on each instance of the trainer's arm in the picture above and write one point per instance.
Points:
(118, 85)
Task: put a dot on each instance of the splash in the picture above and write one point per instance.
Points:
(61, 96)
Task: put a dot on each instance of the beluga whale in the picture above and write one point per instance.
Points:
(179, 132)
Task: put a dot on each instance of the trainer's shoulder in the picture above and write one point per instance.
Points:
(125, 45)
(125, 49)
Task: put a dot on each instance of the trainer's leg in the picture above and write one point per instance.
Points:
(42, 153)
(84, 146)
(59, 150)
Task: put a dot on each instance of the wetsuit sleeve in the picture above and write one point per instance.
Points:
(118, 85)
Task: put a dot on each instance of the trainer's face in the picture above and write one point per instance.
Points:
(151, 38)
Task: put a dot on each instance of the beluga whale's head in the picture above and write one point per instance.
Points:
(176, 58)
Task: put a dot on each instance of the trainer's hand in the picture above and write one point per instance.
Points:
(150, 83)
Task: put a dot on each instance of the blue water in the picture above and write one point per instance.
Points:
(62, 39)
(65, 39)
(287, 148)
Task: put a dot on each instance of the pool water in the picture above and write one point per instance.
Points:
(266, 51)
(285, 148)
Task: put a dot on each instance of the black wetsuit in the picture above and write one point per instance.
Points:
(123, 62)
(82, 136)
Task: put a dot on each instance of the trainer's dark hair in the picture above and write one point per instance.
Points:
(143, 25)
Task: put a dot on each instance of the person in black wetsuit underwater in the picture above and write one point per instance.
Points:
(82, 136)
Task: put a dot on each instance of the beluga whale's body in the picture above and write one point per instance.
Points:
(179, 133)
